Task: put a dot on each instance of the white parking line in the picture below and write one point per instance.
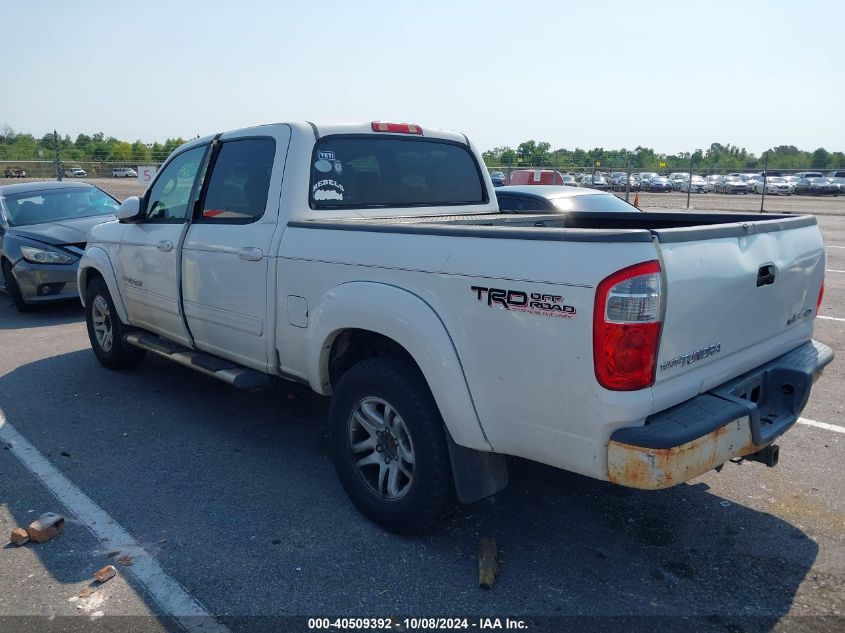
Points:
(822, 425)
(171, 597)
(831, 246)
(830, 318)
(833, 270)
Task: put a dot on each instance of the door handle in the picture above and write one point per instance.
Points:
(250, 254)
(165, 245)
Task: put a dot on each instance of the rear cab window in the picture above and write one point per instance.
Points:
(374, 171)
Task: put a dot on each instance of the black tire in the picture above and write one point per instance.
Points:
(13, 289)
(119, 355)
(431, 491)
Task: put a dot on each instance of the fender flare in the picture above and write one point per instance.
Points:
(96, 258)
(412, 323)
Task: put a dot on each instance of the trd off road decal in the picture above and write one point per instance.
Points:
(519, 301)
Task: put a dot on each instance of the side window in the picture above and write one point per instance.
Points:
(507, 203)
(171, 192)
(239, 181)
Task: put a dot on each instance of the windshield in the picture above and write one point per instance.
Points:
(775, 179)
(54, 205)
(818, 180)
(592, 202)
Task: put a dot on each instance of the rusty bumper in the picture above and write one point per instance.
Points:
(736, 419)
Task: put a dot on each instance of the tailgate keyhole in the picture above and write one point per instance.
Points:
(766, 275)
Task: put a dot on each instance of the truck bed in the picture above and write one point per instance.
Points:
(576, 227)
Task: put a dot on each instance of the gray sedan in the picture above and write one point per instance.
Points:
(43, 229)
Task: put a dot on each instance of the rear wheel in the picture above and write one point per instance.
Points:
(389, 445)
(106, 330)
(13, 289)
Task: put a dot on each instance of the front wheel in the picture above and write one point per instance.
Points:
(389, 445)
(106, 330)
(13, 289)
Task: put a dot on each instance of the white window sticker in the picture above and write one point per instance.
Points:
(327, 190)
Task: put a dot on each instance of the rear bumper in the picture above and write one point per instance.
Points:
(738, 418)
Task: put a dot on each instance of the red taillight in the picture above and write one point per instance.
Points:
(398, 128)
(626, 327)
(821, 296)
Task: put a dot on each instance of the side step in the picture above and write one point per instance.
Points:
(213, 366)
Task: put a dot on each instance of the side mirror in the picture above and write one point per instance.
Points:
(130, 210)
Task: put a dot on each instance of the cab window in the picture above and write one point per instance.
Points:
(239, 181)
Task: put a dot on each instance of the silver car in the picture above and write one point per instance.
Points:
(43, 230)
(775, 185)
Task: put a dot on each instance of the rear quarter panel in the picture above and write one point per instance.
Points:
(529, 371)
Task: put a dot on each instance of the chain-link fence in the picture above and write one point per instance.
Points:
(691, 188)
(126, 178)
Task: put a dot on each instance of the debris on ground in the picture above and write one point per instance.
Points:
(488, 564)
(113, 553)
(90, 602)
(49, 525)
(19, 536)
(105, 574)
(125, 560)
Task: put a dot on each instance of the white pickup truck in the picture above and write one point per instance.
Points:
(371, 263)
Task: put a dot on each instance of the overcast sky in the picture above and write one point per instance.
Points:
(672, 76)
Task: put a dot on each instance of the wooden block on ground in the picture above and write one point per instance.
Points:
(488, 563)
(45, 527)
(19, 536)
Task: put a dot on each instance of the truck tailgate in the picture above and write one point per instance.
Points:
(736, 296)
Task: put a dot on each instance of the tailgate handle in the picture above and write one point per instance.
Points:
(766, 275)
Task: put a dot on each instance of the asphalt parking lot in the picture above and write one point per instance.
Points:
(232, 495)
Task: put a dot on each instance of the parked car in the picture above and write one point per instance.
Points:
(839, 182)
(712, 179)
(617, 181)
(15, 172)
(730, 184)
(792, 181)
(536, 177)
(569, 180)
(595, 181)
(816, 186)
(558, 199)
(696, 184)
(809, 174)
(43, 229)
(74, 172)
(450, 335)
(774, 185)
(678, 179)
(836, 174)
(128, 172)
(656, 184)
(752, 179)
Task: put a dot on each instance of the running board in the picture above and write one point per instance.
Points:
(213, 366)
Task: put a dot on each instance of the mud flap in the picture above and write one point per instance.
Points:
(477, 474)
